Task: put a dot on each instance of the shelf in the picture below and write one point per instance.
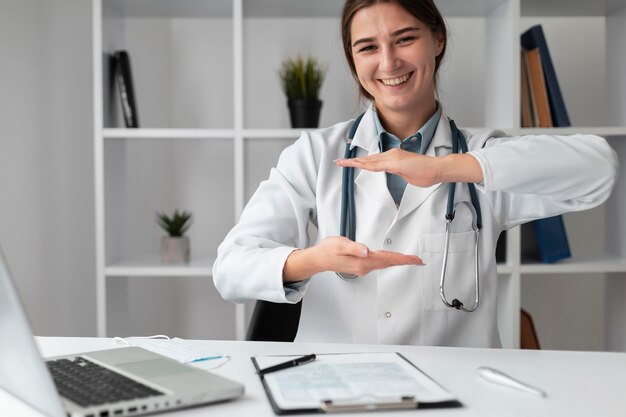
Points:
(505, 269)
(578, 265)
(273, 133)
(286, 133)
(293, 134)
(120, 133)
(609, 131)
(152, 266)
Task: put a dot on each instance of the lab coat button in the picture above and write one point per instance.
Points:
(389, 241)
(387, 314)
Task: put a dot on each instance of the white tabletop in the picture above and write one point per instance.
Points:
(577, 383)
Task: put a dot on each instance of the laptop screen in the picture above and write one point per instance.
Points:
(22, 371)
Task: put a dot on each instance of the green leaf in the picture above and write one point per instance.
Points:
(175, 225)
(301, 79)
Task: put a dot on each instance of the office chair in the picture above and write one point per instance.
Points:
(274, 322)
(528, 334)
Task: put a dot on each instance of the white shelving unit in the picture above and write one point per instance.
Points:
(214, 120)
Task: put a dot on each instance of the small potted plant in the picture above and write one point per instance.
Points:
(301, 81)
(175, 247)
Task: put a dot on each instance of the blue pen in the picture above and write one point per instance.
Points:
(208, 358)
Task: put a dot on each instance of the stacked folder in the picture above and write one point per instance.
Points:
(542, 106)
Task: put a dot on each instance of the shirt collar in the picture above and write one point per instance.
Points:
(427, 130)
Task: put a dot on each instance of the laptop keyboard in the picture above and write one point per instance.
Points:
(87, 383)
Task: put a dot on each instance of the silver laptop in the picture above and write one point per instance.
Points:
(109, 383)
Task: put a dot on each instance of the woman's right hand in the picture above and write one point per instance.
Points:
(340, 254)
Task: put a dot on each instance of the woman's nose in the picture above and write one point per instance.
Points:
(389, 60)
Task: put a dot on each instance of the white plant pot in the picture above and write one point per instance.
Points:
(175, 249)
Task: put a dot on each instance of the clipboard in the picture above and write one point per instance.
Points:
(305, 380)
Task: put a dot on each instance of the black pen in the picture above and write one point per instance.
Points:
(289, 364)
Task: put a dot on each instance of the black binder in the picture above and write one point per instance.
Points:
(124, 80)
(336, 406)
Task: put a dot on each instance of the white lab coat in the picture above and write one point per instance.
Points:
(525, 178)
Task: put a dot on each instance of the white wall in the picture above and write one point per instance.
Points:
(46, 162)
(20, 184)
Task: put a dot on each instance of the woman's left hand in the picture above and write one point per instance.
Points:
(420, 170)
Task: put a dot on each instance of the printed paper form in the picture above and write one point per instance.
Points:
(355, 377)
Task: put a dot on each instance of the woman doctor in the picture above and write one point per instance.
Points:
(403, 166)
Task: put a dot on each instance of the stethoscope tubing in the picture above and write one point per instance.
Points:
(458, 141)
(348, 209)
(348, 206)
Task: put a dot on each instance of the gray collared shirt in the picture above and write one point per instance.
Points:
(417, 143)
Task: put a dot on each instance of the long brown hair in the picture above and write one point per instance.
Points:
(423, 10)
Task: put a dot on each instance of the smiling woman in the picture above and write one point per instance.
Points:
(398, 154)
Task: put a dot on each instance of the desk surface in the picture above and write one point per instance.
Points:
(577, 383)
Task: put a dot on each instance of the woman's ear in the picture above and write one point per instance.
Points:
(439, 43)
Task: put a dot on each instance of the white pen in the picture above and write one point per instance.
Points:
(500, 378)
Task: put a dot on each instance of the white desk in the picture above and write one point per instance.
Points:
(578, 383)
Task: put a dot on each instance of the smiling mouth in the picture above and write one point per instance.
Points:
(396, 81)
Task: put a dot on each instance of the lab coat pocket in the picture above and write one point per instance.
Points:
(459, 281)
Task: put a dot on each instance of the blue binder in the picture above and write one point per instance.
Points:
(534, 38)
(553, 244)
(545, 240)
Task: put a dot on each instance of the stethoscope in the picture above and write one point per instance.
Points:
(347, 226)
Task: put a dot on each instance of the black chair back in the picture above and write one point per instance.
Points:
(274, 322)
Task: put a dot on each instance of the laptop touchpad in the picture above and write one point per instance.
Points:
(155, 368)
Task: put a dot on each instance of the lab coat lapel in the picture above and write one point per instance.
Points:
(372, 183)
(440, 145)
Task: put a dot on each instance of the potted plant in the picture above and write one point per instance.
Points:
(301, 81)
(175, 247)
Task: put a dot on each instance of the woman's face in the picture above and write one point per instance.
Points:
(394, 56)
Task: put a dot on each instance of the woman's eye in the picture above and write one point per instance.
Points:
(367, 48)
(406, 39)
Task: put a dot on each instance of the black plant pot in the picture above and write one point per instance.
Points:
(304, 112)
